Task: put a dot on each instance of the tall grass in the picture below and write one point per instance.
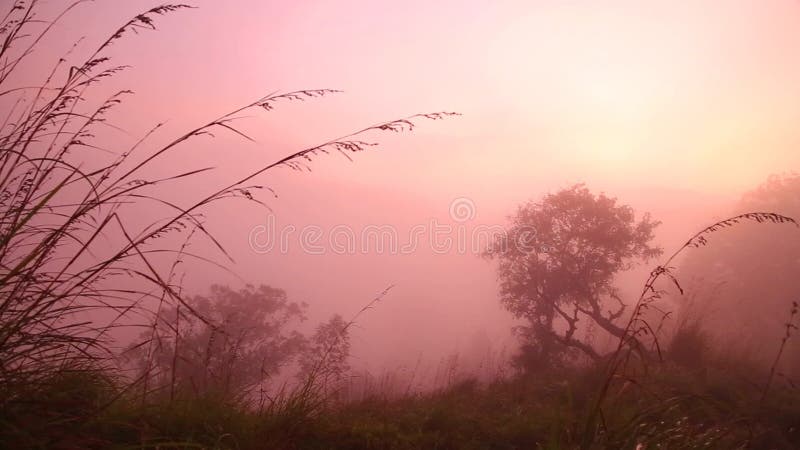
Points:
(321, 379)
(631, 350)
(789, 328)
(67, 254)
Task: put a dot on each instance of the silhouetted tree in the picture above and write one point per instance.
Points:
(557, 263)
(327, 351)
(232, 340)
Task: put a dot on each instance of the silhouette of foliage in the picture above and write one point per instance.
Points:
(557, 264)
(247, 336)
(330, 344)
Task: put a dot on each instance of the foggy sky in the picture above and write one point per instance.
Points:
(676, 108)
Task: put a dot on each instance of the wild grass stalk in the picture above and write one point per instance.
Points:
(313, 392)
(789, 327)
(629, 344)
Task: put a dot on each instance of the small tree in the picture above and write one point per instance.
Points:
(327, 352)
(557, 265)
(244, 337)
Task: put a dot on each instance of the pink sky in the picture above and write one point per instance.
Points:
(704, 93)
(674, 107)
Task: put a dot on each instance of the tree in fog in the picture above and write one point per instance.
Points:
(230, 341)
(557, 263)
(327, 352)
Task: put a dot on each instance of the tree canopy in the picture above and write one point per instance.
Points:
(232, 340)
(557, 263)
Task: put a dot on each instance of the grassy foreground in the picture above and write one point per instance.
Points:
(672, 407)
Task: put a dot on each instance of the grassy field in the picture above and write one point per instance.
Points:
(720, 406)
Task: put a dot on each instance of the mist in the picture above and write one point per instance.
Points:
(683, 113)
